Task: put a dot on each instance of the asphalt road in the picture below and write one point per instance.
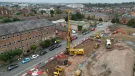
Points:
(23, 67)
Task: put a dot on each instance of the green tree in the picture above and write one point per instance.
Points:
(51, 12)
(74, 17)
(16, 19)
(53, 40)
(84, 30)
(5, 20)
(33, 47)
(66, 18)
(113, 20)
(117, 20)
(4, 57)
(93, 17)
(79, 28)
(47, 43)
(100, 19)
(131, 23)
(42, 11)
(33, 11)
(58, 11)
(42, 44)
(17, 52)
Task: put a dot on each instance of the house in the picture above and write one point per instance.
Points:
(97, 15)
(61, 32)
(125, 19)
(75, 24)
(23, 34)
(5, 12)
(132, 12)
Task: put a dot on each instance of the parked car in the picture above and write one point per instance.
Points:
(93, 29)
(11, 67)
(34, 56)
(58, 45)
(42, 52)
(26, 60)
(52, 47)
(73, 37)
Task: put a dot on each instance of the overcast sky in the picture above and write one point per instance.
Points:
(69, 1)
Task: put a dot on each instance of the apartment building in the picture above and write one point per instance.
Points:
(5, 12)
(23, 34)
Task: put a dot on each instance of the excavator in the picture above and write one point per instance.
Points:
(71, 50)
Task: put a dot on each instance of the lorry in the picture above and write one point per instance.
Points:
(108, 43)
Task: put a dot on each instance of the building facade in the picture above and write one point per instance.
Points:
(5, 12)
(21, 35)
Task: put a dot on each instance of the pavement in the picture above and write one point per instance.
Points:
(24, 67)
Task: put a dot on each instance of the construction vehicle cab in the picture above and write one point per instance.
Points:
(76, 51)
(97, 45)
(78, 72)
(56, 73)
(58, 68)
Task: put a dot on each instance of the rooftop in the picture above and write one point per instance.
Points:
(9, 28)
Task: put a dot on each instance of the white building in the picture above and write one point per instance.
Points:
(75, 5)
(47, 10)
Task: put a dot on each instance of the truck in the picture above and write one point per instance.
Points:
(108, 43)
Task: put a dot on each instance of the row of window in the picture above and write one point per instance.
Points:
(5, 45)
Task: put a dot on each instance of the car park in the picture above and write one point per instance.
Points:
(26, 60)
(34, 56)
(12, 66)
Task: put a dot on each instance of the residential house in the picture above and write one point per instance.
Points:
(97, 15)
(132, 12)
(125, 19)
(5, 12)
(23, 34)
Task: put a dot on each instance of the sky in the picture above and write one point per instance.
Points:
(69, 1)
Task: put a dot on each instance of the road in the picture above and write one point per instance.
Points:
(23, 67)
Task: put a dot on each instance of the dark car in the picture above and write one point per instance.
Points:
(42, 52)
(58, 45)
(52, 47)
(11, 67)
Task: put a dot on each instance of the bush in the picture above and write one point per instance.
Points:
(16, 19)
(5, 20)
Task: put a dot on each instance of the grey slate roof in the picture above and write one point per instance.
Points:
(20, 26)
(61, 28)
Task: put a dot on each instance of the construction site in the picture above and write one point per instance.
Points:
(108, 53)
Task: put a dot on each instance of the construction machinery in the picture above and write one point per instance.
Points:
(97, 46)
(108, 43)
(71, 50)
(58, 70)
(78, 72)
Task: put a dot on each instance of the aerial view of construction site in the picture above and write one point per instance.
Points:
(107, 52)
(67, 38)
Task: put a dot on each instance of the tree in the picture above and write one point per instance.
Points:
(84, 30)
(79, 27)
(4, 57)
(53, 41)
(117, 20)
(131, 23)
(5, 20)
(93, 17)
(74, 17)
(113, 20)
(51, 12)
(34, 11)
(16, 19)
(100, 19)
(66, 18)
(17, 52)
(47, 43)
(33, 47)
(42, 44)
(58, 11)
(42, 11)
